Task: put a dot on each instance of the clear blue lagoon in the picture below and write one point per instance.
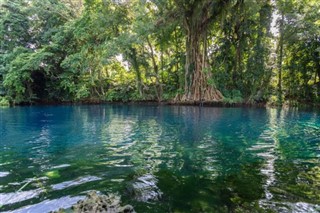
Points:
(204, 159)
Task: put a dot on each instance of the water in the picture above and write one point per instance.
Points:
(205, 159)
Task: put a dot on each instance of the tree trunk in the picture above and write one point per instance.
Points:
(317, 66)
(318, 72)
(177, 52)
(29, 92)
(197, 19)
(280, 57)
(318, 85)
(197, 74)
(237, 75)
(133, 57)
(158, 87)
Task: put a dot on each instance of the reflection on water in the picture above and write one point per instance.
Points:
(204, 159)
(3, 174)
(50, 205)
(14, 197)
(60, 166)
(81, 180)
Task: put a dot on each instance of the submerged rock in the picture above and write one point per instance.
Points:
(144, 188)
(95, 203)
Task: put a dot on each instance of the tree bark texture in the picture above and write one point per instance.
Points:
(197, 73)
(280, 57)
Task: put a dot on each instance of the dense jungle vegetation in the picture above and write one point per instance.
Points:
(182, 50)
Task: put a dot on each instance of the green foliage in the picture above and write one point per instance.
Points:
(4, 102)
(53, 174)
(122, 94)
(244, 49)
(54, 50)
(232, 97)
(301, 61)
(273, 100)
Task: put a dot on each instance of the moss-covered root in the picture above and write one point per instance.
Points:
(102, 203)
(98, 203)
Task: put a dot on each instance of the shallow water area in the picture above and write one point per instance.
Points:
(200, 159)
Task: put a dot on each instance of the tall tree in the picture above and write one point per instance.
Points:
(197, 18)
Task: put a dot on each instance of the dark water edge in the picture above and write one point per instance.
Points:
(246, 148)
(302, 105)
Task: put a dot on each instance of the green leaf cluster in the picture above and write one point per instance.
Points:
(98, 50)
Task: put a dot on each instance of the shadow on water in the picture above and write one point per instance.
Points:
(161, 158)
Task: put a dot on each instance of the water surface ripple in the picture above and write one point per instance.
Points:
(204, 159)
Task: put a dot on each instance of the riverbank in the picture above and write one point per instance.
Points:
(306, 105)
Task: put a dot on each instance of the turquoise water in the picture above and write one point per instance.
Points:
(205, 159)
